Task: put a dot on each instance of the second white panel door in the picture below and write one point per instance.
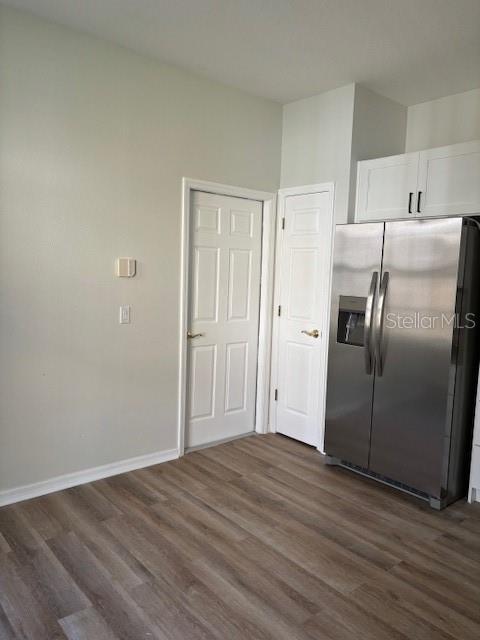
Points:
(304, 273)
(224, 298)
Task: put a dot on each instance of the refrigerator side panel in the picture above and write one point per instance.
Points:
(356, 269)
(414, 352)
(464, 374)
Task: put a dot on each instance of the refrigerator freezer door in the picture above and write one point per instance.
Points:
(414, 343)
(356, 270)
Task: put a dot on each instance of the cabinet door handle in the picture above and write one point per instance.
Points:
(410, 198)
(418, 201)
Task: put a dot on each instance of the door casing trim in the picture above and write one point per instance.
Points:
(283, 194)
(268, 200)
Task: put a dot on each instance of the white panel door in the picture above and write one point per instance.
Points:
(304, 266)
(449, 180)
(386, 188)
(224, 303)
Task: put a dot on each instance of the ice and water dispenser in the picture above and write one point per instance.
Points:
(351, 320)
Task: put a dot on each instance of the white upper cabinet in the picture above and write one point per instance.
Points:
(436, 182)
(449, 180)
(386, 187)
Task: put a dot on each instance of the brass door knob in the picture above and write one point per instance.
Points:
(313, 334)
(191, 335)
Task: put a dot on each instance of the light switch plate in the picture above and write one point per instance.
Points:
(126, 267)
(124, 316)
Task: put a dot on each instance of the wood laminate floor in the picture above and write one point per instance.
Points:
(256, 538)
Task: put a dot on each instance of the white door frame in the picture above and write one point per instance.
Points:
(266, 297)
(282, 195)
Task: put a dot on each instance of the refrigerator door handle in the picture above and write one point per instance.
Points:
(379, 322)
(368, 323)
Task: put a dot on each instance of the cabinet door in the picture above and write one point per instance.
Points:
(386, 187)
(449, 180)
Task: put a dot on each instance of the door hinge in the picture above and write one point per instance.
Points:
(279, 310)
(276, 395)
(283, 223)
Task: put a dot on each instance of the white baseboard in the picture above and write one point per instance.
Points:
(58, 483)
(473, 495)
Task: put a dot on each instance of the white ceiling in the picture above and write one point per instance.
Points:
(408, 50)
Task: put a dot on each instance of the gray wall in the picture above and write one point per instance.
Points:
(445, 121)
(379, 130)
(94, 141)
(325, 136)
(316, 143)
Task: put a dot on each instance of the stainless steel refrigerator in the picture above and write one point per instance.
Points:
(403, 353)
